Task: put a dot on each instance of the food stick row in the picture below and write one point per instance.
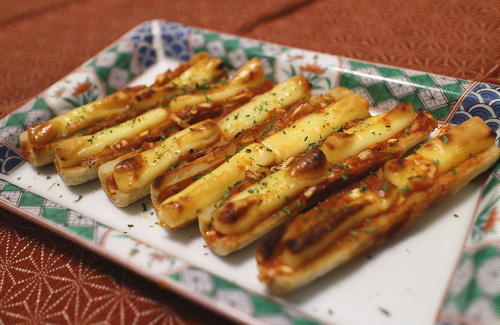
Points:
(244, 156)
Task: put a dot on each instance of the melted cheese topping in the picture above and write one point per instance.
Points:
(201, 165)
(315, 127)
(324, 122)
(367, 133)
(72, 151)
(249, 75)
(78, 118)
(155, 161)
(204, 71)
(269, 195)
(404, 173)
(258, 109)
(285, 184)
(347, 224)
(182, 208)
(448, 149)
(201, 72)
(454, 144)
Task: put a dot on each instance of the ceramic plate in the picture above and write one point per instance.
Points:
(409, 281)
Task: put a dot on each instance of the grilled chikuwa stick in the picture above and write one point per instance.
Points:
(37, 140)
(126, 180)
(375, 209)
(252, 211)
(78, 158)
(183, 207)
(176, 179)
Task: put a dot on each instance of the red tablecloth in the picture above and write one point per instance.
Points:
(46, 279)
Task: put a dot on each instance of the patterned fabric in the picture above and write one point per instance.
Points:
(45, 279)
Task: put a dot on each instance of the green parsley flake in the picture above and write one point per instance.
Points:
(405, 189)
(338, 163)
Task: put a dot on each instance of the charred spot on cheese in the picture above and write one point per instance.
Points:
(313, 161)
(145, 94)
(131, 164)
(315, 233)
(178, 205)
(208, 124)
(270, 243)
(158, 181)
(250, 76)
(338, 137)
(220, 66)
(231, 212)
(395, 165)
(89, 162)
